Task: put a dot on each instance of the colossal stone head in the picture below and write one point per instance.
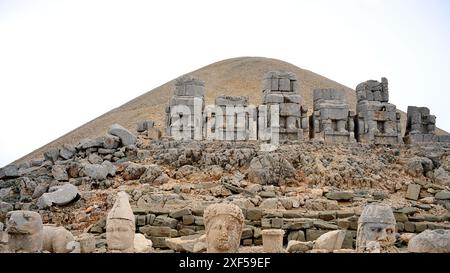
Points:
(223, 223)
(376, 230)
(25, 231)
(120, 225)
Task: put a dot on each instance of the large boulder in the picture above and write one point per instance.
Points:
(191, 243)
(441, 176)
(431, 241)
(95, 171)
(59, 195)
(268, 169)
(125, 136)
(153, 171)
(133, 171)
(9, 171)
(418, 166)
(59, 173)
(142, 244)
(67, 151)
(331, 240)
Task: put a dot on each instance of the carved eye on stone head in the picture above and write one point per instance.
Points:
(389, 231)
(376, 229)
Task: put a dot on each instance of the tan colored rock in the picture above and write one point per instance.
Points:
(299, 246)
(192, 243)
(120, 225)
(24, 231)
(87, 243)
(430, 241)
(376, 230)
(331, 240)
(56, 239)
(223, 224)
(273, 240)
(142, 244)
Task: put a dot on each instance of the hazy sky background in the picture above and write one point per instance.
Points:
(64, 63)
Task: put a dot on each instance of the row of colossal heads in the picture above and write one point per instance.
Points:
(283, 114)
(224, 223)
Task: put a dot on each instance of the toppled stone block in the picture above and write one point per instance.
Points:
(191, 244)
(340, 196)
(298, 246)
(413, 192)
(430, 241)
(133, 171)
(125, 136)
(59, 195)
(331, 240)
(67, 151)
(142, 244)
(269, 169)
(9, 171)
(59, 173)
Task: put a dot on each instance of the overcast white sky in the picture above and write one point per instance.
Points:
(63, 63)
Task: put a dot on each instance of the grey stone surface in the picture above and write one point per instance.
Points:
(125, 136)
(340, 195)
(442, 195)
(9, 171)
(133, 171)
(95, 171)
(269, 169)
(430, 241)
(413, 192)
(59, 173)
(24, 231)
(67, 151)
(58, 195)
(51, 154)
(152, 172)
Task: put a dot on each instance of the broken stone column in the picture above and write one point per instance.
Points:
(331, 120)
(281, 89)
(273, 240)
(120, 225)
(231, 118)
(420, 125)
(25, 231)
(223, 224)
(376, 230)
(377, 121)
(184, 115)
(87, 243)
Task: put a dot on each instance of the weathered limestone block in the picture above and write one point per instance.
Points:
(376, 230)
(420, 125)
(87, 243)
(223, 224)
(431, 241)
(25, 231)
(269, 169)
(59, 195)
(120, 225)
(330, 241)
(191, 243)
(125, 136)
(9, 171)
(57, 239)
(273, 240)
(142, 244)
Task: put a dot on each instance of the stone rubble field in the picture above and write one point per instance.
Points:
(305, 188)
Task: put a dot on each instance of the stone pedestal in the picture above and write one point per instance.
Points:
(273, 240)
(420, 126)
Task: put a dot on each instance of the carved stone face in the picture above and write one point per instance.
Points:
(120, 234)
(378, 232)
(224, 234)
